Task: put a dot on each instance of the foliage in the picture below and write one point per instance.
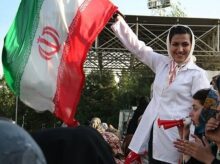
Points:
(7, 101)
(99, 98)
(175, 10)
(103, 98)
(32, 120)
(26, 117)
(132, 86)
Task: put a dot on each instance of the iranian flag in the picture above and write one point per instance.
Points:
(45, 49)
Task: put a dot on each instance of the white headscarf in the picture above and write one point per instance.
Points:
(175, 67)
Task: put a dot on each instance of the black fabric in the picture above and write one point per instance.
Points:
(81, 145)
(216, 161)
(150, 150)
(133, 123)
(193, 161)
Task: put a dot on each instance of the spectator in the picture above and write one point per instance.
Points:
(17, 146)
(80, 145)
(202, 98)
(213, 82)
(110, 136)
(200, 149)
(177, 78)
(133, 123)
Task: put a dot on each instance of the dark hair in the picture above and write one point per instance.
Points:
(201, 95)
(217, 83)
(142, 104)
(180, 30)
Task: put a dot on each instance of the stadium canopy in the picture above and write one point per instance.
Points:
(107, 51)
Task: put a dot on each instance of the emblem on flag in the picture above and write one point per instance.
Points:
(49, 40)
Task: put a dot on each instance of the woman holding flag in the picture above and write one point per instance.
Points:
(177, 78)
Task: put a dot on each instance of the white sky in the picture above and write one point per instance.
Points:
(193, 8)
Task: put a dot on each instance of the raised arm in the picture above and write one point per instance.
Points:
(129, 39)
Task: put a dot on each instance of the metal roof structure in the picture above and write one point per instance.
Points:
(107, 51)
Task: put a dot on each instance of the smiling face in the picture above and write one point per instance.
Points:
(196, 111)
(180, 46)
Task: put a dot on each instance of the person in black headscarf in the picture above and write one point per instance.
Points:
(17, 146)
(217, 83)
(80, 145)
(133, 124)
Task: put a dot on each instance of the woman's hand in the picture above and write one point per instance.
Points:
(117, 16)
(212, 130)
(199, 149)
(186, 146)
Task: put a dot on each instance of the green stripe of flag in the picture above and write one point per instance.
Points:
(18, 42)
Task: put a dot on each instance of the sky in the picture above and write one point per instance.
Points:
(193, 8)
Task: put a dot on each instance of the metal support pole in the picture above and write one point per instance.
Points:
(16, 110)
(218, 42)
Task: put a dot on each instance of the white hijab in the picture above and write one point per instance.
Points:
(175, 67)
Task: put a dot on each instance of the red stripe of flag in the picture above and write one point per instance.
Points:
(87, 24)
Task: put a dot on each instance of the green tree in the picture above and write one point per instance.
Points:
(31, 120)
(103, 98)
(26, 116)
(99, 98)
(132, 86)
(7, 101)
(175, 10)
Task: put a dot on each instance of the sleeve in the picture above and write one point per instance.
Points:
(200, 81)
(129, 39)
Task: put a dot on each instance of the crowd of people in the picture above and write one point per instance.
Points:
(102, 143)
(111, 136)
(205, 115)
(181, 89)
(64, 145)
(177, 79)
